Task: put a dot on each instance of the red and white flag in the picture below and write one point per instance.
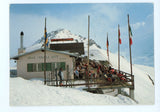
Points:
(119, 34)
(130, 35)
(107, 46)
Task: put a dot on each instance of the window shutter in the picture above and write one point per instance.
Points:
(29, 67)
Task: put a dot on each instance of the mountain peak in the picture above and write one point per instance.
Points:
(64, 33)
(60, 31)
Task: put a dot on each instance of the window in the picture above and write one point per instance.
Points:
(48, 66)
(62, 64)
(31, 67)
(41, 67)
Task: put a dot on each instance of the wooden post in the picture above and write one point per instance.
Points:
(45, 53)
(56, 77)
(88, 51)
(67, 74)
(131, 93)
(119, 90)
(118, 50)
(52, 78)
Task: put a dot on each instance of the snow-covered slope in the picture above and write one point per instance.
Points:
(144, 89)
(26, 92)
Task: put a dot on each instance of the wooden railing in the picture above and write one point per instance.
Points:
(100, 81)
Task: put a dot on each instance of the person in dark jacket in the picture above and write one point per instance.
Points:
(60, 73)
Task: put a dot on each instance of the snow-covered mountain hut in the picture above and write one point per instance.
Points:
(30, 62)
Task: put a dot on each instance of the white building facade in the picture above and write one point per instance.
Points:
(31, 64)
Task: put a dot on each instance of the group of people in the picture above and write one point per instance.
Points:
(80, 70)
(95, 70)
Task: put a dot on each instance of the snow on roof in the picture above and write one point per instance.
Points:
(61, 52)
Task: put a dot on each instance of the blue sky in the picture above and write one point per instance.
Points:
(104, 18)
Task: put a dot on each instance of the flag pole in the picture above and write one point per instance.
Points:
(45, 53)
(88, 50)
(118, 51)
(129, 46)
(107, 47)
(131, 90)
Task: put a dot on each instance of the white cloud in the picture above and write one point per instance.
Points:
(138, 25)
(150, 16)
(112, 12)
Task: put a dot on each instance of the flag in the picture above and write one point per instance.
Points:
(130, 35)
(45, 35)
(107, 45)
(107, 42)
(119, 36)
(46, 38)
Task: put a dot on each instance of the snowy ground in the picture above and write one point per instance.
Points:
(144, 89)
(34, 93)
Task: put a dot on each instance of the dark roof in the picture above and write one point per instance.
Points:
(71, 47)
(61, 52)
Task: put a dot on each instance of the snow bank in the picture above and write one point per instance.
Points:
(33, 92)
(144, 89)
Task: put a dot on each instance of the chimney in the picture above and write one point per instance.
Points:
(21, 49)
(21, 34)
